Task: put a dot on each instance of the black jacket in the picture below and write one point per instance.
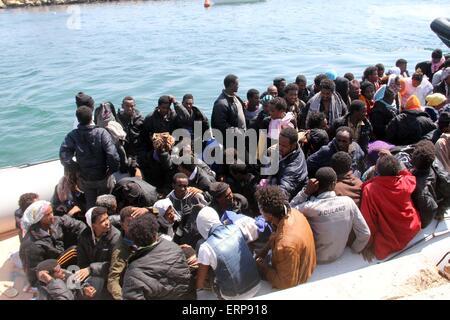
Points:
(133, 128)
(159, 271)
(409, 127)
(145, 196)
(225, 113)
(39, 245)
(365, 134)
(424, 196)
(186, 120)
(201, 180)
(94, 150)
(56, 289)
(155, 123)
(292, 173)
(322, 158)
(97, 256)
(380, 116)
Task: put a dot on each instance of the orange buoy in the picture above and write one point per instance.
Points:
(207, 4)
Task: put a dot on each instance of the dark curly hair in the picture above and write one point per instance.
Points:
(272, 200)
(26, 199)
(423, 155)
(315, 120)
(341, 162)
(388, 166)
(143, 230)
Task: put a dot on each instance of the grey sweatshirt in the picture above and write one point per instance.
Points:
(332, 218)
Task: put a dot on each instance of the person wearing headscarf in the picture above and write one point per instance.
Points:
(410, 126)
(95, 247)
(167, 216)
(436, 104)
(67, 197)
(47, 237)
(383, 111)
(226, 251)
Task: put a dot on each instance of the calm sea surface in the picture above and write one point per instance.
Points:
(147, 49)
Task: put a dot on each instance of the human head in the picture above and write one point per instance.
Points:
(389, 96)
(388, 165)
(327, 88)
(238, 171)
(272, 203)
(180, 184)
(291, 93)
(380, 69)
(84, 115)
(368, 90)
(444, 122)
(343, 138)
(357, 110)
(436, 100)
(423, 156)
(327, 179)
(143, 230)
(164, 105)
(301, 82)
(280, 83)
(272, 90)
(206, 219)
(436, 55)
(317, 138)
(82, 99)
(38, 212)
(371, 74)
(188, 101)
(331, 74)
(26, 199)
(222, 194)
(417, 79)
(167, 214)
(342, 87)
(288, 141)
(231, 83)
(354, 89)
(402, 64)
(413, 103)
(99, 221)
(52, 267)
(107, 201)
(128, 106)
(317, 80)
(125, 218)
(317, 120)
(277, 108)
(341, 162)
(350, 76)
(253, 97)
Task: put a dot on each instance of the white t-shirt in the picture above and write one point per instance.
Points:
(208, 257)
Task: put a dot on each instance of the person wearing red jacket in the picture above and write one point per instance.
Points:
(388, 209)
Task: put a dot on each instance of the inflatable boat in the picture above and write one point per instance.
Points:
(349, 277)
(441, 26)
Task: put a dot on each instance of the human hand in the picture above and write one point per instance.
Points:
(89, 292)
(312, 187)
(137, 212)
(172, 99)
(82, 274)
(44, 276)
(194, 190)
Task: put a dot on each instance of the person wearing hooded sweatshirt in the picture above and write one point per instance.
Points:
(226, 251)
(383, 111)
(410, 126)
(95, 247)
(388, 209)
(332, 218)
(158, 268)
(167, 216)
(47, 237)
(185, 200)
(347, 184)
